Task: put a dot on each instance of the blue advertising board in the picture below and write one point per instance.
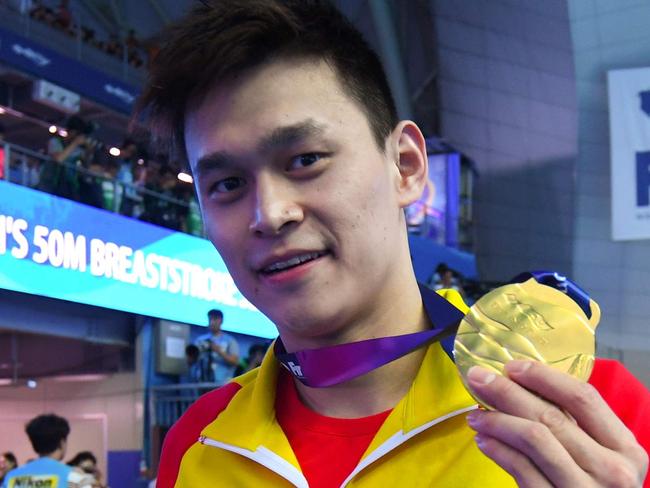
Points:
(21, 53)
(61, 249)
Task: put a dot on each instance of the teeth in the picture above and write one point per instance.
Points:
(292, 262)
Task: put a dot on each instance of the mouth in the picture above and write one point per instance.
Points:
(283, 265)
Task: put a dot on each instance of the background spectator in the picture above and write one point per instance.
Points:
(219, 351)
(48, 435)
(7, 463)
(59, 177)
(195, 372)
(255, 356)
(127, 196)
(445, 278)
(86, 462)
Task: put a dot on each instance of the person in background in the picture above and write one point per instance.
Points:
(127, 195)
(7, 462)
(255, 356)
(25, 170)
(59, 175)
(445, 278)
(152, 188)
(219, 351)
(195, 373)
(48, 435)
(86, 462)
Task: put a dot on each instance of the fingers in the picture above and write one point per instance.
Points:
(511, 398)
(533, 441)
(597, 443)
(512, 461)
(580, 399)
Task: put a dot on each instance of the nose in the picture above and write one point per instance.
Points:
(276, 208)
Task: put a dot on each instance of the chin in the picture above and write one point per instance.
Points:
(308, 321)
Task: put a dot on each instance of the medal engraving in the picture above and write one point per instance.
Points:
(527, 321)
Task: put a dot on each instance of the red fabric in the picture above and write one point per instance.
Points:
(186, 431)
(627, 397)
(327, 448)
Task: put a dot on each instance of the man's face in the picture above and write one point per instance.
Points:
(296, 195)
(215, 324)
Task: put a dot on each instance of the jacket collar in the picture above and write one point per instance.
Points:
(249, 420)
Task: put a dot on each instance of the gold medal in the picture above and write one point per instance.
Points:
(527, 321)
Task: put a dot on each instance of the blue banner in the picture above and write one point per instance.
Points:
(26, 55)
(57, 248)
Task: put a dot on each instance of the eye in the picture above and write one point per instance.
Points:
(304, 160)
(228, 185)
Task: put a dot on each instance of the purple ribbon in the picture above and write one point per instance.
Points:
(328, 366)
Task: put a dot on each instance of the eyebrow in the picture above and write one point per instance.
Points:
(278, 138)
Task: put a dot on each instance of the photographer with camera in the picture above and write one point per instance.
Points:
(219, 351)
(68, 151)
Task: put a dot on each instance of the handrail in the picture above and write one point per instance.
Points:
(185, 386)
(16, 153)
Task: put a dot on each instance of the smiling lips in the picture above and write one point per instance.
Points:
(278, 265)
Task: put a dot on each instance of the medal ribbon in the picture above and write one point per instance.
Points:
(560, 283)
(329, 366)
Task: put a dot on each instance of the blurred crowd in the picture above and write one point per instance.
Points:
(61, 18)
(127, 180)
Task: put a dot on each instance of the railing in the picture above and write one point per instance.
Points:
(32, 169)
(169, 402)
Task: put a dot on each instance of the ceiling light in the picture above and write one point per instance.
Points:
(185, 177)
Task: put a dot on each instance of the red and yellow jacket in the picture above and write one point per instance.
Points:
(230, 437)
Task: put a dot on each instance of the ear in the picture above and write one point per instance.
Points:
(410, 152)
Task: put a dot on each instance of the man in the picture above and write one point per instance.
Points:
(127, 196)
(59, 176)
(303, 170)
(49, 437)
(8, 462)
(254, 359)
(219, 351)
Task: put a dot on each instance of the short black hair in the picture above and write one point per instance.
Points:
(192, 351)
(82, 456)
(222, 39)
(215, 312)
(46, 432)
(9, 456)
(257, 348)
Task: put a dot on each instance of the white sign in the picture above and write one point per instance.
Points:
(629, 125)
(175, 347)
(34, 56)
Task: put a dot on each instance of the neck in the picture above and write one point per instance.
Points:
(382, 388)
(56, 455)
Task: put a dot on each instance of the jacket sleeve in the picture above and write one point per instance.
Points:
(627, 397)
(186, 431)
